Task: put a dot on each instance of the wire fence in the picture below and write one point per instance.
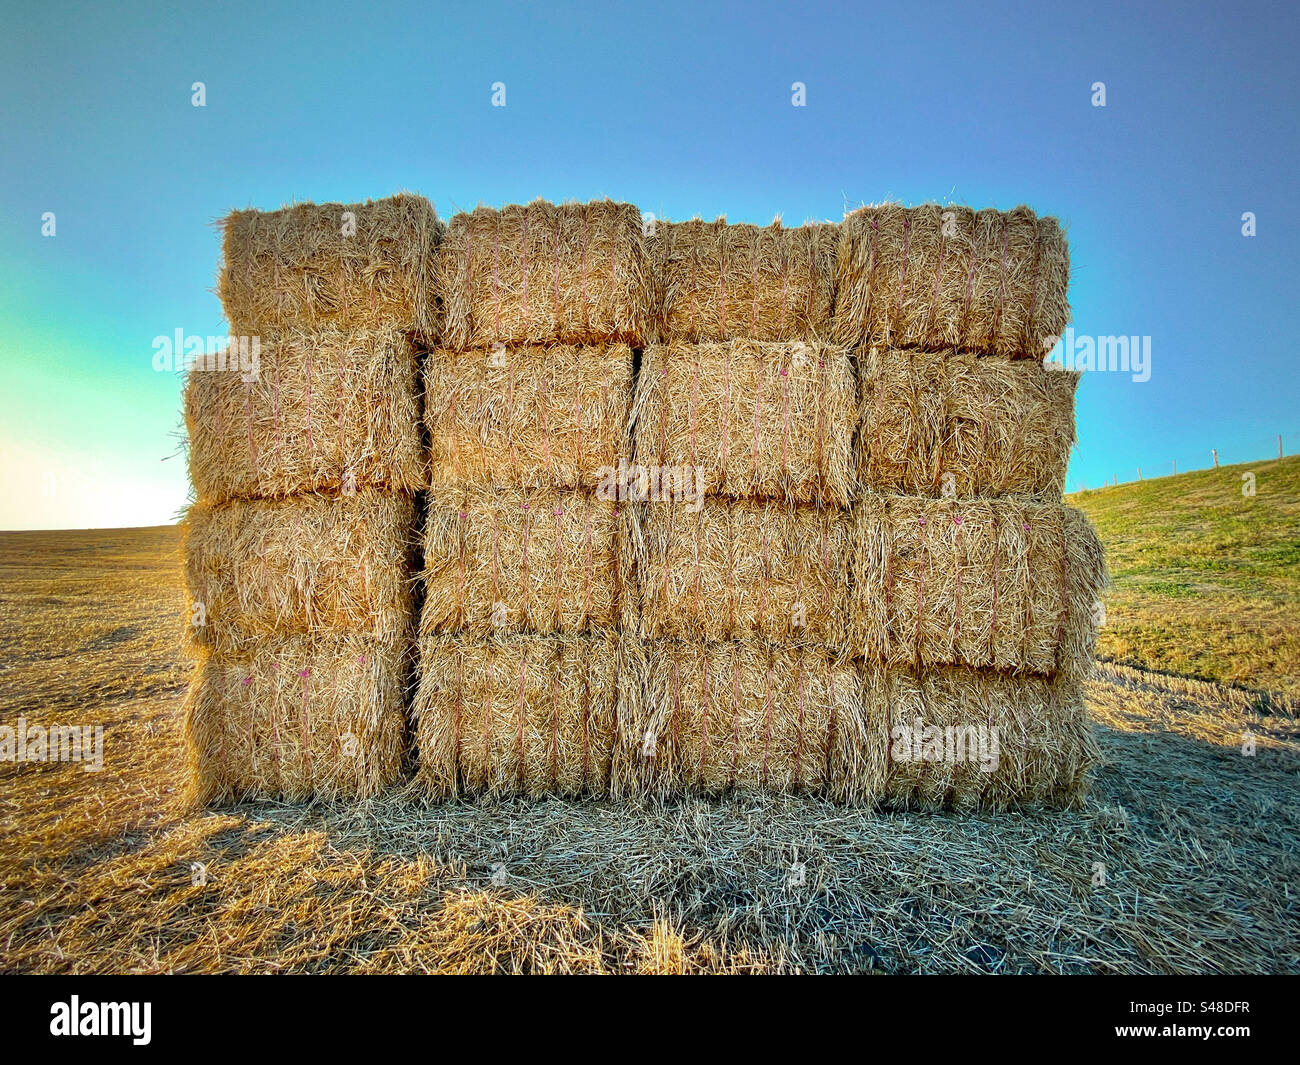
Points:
(1259, 450)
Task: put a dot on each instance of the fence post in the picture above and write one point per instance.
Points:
(1279, 445)
(1215, 452)
(1139, 473)
(1175, 465)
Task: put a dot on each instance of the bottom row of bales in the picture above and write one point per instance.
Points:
(625, 717)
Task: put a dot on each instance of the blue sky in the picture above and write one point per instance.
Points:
(681, 108)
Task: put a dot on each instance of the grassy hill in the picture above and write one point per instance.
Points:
(1206, 579)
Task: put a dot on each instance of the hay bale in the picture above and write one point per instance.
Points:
(991, 282)
(527, 416)
(297, 717)
(954, 424)
(718, 281)
(743, 569)
(329, 409)
(573, 273)
(750, 418)
(746, 715)
(1006, 584)
(312, 563)
(299, 266)
(979, 739)
(527, 715)
(506, 560)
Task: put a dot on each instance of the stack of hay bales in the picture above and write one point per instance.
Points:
(972, 586)
(743, 424)
(299, 550)
(527, 401)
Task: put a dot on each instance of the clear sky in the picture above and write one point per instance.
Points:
(680, 108)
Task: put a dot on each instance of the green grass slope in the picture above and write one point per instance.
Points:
(1206, 578)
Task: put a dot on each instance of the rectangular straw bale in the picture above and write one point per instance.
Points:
(505, 560)
(958, 425)
(516, 715)
(328, 409)
(751, 418)
(718, 281)
(1004, 584)
(296, 717)
(527, 416)
(305, 265)
(969, 738)
(744, 715)
(573, 273)
(310, 563)
(990, 282)
(741, 569)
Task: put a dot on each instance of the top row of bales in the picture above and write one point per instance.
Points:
(928, 277)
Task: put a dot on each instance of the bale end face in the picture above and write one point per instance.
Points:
(318, 410)
(527, 417)
(746, 716)
(745, 418)
(298, 718)
(933, 277)
(972, 739)
(720, 282)
(521, 715)
(542, 273)
(307, 265)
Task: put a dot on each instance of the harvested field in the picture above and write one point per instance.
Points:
(305, 266)
(518, 715)
(573, 273)
(298, 717)
(742, 569)
(540, 560)
(714, 717)
(1002, 584)
(328, 409)
(1197, 841)
(969, 739)
(751, 419)
(721, 282)
(956, 425)
(989, 282)
(338, 564)
(527, 416)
